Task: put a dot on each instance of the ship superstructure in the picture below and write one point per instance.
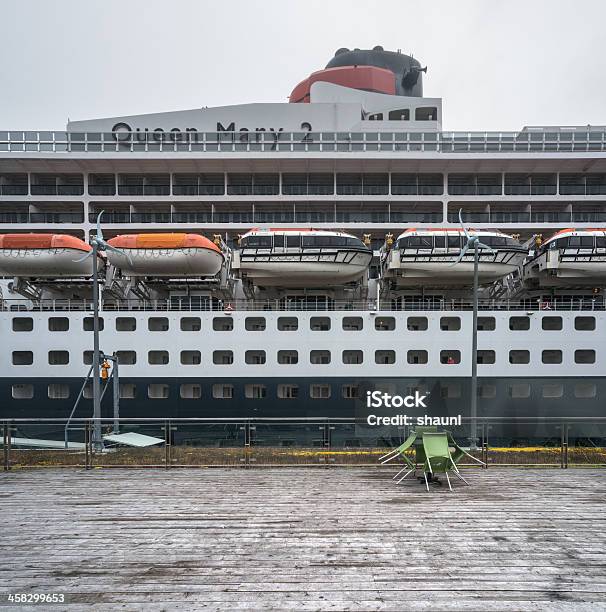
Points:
(283, 259)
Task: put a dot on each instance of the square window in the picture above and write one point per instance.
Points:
(350, 391)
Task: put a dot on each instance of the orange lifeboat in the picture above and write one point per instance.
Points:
(166, 254)
(44, 255)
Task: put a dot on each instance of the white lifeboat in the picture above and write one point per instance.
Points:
(44, 256)
(165, 254)
(426, 257)
(301, 257)
(570, 257)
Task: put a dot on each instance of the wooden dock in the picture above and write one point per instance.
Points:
(304, 539)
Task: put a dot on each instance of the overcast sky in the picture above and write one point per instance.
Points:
(498, 64)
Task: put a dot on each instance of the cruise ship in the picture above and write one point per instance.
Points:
(285, 259)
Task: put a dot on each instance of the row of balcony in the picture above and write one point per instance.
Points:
(300, 184)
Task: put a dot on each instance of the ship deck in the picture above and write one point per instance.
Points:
(305, 539)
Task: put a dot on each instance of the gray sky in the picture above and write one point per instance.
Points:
(498, 64)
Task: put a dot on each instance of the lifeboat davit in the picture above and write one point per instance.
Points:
(301, 257)
(172, 255)
(426, 257)
(570, 257)
(44, 256)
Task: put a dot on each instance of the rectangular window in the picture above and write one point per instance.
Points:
(23, 324)
(486, 324)
(385, 357)
(255, 391)
(584, 356)
(416, 323)
(157, 391)
(520, 390)
(416, 357)
(223, 391)
(319, 357)
(288, 324)
(584, 390)
(584, 323)
(255, 357)
(352, 323)
(288, 391)
(551, 356)
(190, 391)
(223, 324)
(520, 356)
(486, 356)
(58, 391)
(450, 323)
(126, 324)
(553, 391)
(487, 391)
(450, 391)
(254, 323)
(127, 391)
(223, 357)
(58, 324)
(89, 322)
(353, 357)
(319, 323)
(58, 357)
(385, 324)
(157, 357)
(23, 391)
(319, 391)
(519, 323)
(23, 358)
(551, 323)
(157, 324)
(350, 391)
(450, 357)
(190, 357)
(124, 357)
(190, 324)
(288, 357)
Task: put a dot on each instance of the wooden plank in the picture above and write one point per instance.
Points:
(306, 539)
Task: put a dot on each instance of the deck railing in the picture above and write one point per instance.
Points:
(320, 304)
(192, 141)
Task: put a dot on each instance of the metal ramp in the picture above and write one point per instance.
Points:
(133, 439)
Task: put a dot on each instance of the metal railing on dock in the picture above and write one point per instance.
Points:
(192, 442)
